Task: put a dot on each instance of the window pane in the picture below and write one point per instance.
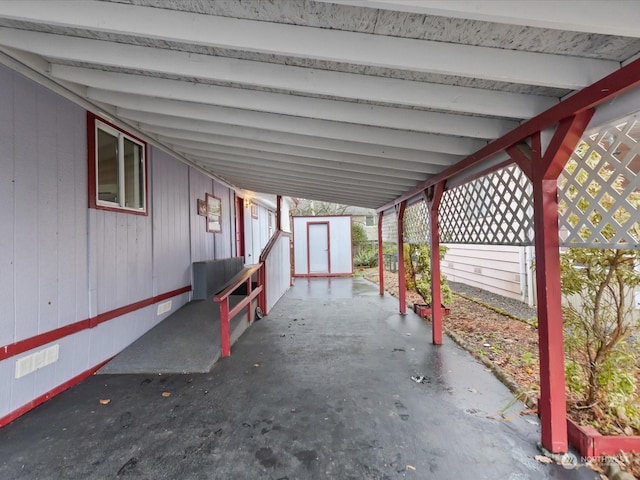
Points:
(133, 175)
(107, 151)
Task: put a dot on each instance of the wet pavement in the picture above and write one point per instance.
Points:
(319, 388)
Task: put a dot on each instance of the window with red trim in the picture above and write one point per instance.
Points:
(117, 168)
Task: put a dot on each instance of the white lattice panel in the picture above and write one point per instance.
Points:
(416, 223)
(599, 189)
(390, 228)
(496, 209)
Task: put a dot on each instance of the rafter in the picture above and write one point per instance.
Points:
(281, 77)
(437, 143)
(279, 123)
(257, 164)
(280, 179)
(296, 105)
(432, 163)
(315, 43)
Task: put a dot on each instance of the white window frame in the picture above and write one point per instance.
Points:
(121, 136)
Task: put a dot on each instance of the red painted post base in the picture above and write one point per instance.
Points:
(424, 310)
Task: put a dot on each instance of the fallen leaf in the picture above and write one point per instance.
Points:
(530, 411)
(166, 394)
(411, 467)
(543, 459)
(105, 401)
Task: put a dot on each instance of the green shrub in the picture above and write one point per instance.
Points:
(367, 258)
(417, 263)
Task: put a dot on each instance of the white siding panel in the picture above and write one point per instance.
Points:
(23, 389)
(71, 197)
(492, 268)
(340, 245)
(278, 271)
(202, 242)
(6, 380)
(46, 215)
(81, 348)
(224, 239)
(124, 259)
(77, 127)
(45, 377)
(171, 223)
(300, 245)
(64, 365)
(7, 220)
(26, 211)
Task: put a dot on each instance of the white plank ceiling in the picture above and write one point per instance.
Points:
(346, 101)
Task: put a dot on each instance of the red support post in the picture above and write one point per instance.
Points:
(278, 212)
(380, 254)
(545, 170)
(250, 304)
(436, 294)
(225, 334)
(262, 280)
(402, 282)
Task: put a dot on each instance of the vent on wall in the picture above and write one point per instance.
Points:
(37, 360)
(164, 307)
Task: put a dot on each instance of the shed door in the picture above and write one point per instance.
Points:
(318, 251)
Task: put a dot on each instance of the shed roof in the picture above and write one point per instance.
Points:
(346, 101)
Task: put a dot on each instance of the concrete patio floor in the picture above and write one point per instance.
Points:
(319, 388)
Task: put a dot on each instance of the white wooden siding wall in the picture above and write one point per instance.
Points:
(285, 217)
(120, 248)
(224, 241)
(278, 267)
(43, 253)
(205, 245)
(171, 249)
(492, 268)
(256, 232)
(62, 263)
(43, 245)
(202, 245)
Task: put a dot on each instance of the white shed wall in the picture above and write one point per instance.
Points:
(339, 244)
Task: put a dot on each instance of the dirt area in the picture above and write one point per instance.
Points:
(508, 343)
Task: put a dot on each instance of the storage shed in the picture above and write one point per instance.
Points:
(322, 246)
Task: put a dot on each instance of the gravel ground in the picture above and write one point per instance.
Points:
(509, 305)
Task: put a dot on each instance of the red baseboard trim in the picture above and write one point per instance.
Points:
(36, 341)
(7, 419)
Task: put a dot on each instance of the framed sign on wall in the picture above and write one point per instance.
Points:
(214, 212)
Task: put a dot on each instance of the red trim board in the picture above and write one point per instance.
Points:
(50, 394)
(590, 443)
(36, 341)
